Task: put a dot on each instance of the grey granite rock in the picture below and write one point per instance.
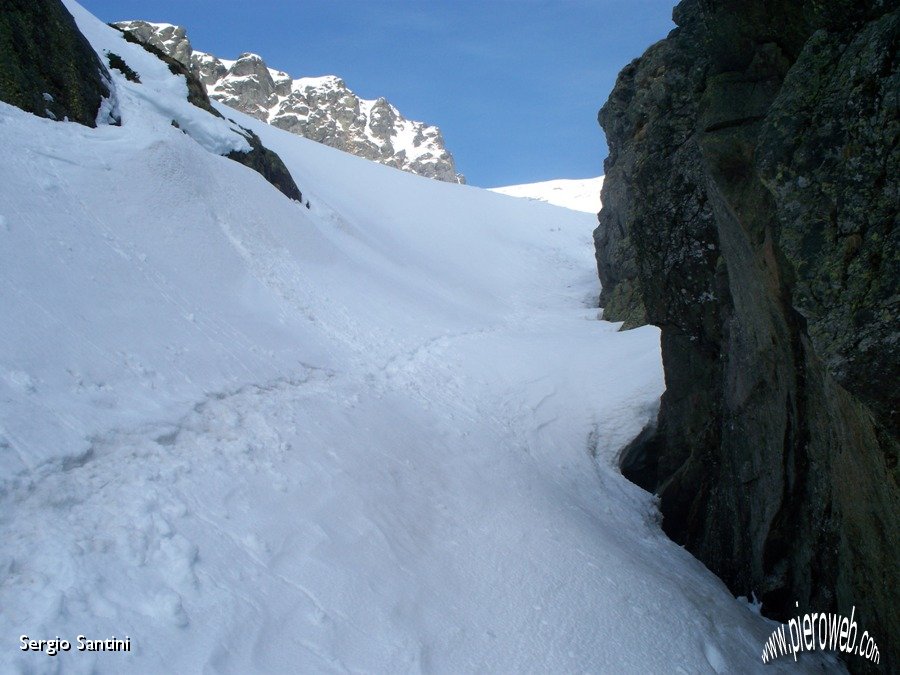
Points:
(246, 86)
(169, 39)
(323, 109)
(207, 68)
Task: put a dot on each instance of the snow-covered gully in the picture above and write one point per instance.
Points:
(376, 435)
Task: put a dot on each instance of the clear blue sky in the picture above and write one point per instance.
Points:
(514, 85)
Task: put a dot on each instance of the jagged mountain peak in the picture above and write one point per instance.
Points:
(167, 37)
(323, 108)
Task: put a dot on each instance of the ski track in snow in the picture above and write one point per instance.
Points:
(378, 435)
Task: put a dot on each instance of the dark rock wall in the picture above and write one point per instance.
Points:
(750, 211)
(44, 53)
(267, 164)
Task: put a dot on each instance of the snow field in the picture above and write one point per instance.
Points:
(377, 435)
(578, 194)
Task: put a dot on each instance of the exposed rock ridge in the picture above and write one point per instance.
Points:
(750, 211)
(259, 158)
(169, 39)
(321, 108)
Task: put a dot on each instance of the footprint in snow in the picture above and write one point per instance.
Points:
(19, 379)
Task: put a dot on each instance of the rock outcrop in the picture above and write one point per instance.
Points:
(268, 165)
(169, 39)
(750, 210)
(259, 158)
(49, 68)
(323, 109)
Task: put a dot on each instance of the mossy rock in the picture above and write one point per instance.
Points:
(625, 304)
(49, 68)
(750, 208)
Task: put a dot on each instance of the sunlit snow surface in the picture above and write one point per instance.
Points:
(376, 435)
(579, 194)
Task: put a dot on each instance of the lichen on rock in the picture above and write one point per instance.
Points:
(49, 68)
(750, 211)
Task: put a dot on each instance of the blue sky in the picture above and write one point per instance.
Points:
(514, 85)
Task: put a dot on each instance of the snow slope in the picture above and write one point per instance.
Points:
(581, 194)
(377, 435)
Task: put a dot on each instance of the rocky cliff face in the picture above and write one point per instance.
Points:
(320, 108)
(750, 210)
(49, 69)
(170, 40)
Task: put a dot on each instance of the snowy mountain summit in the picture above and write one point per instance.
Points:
(323, 109)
